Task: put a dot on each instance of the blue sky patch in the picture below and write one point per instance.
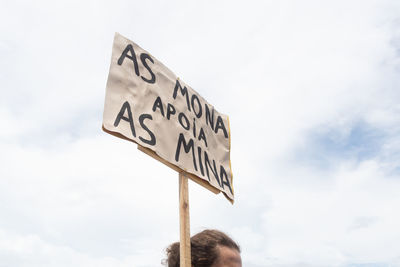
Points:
(326, 145)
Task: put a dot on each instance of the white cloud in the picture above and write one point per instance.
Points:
(71, 195)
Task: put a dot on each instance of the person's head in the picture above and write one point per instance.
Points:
(209, 248)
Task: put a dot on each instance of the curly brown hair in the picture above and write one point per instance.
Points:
(204, 248)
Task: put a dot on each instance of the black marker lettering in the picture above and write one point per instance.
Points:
(209, 116)
(214, 171)
(184, 91)
(187, 147)
(129, 119)
(152, 140)
(200, 162)
(202, 136)
(199, 111)
(220, 125)
(182, 115)
(132, 57)
(194, 127)
(225, 181)
(170, 110)
(143, 58)
(158, 104)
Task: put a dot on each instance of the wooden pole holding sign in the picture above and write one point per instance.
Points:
(184, 218)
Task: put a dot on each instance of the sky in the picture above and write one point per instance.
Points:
(312, 92)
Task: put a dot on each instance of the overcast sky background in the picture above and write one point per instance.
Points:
(312, 92)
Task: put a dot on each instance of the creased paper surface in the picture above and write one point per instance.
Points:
(148, 104)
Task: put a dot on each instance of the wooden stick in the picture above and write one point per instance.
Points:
(185, 257)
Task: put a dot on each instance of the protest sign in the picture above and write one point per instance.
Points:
(149, 105)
